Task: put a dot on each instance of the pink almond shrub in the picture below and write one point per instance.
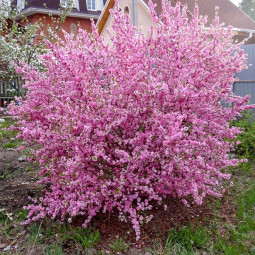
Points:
(120, 126)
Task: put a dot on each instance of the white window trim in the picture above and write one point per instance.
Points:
(20, 4)
(64, 4)
(75, 4)
(92, 5)
(100, 5)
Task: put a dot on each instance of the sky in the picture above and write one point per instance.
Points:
(236, 2)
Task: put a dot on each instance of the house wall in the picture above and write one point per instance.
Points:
(70, 25)
(144, 18)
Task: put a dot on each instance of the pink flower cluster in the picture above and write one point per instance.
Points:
(120, 126)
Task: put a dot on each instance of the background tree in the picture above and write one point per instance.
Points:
(21, 41)
(248, 6)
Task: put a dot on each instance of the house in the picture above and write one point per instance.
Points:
(81, 14)
(243, 25)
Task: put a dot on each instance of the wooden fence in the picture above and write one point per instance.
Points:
(9, 88)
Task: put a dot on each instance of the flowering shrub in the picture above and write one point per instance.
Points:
(118, 127)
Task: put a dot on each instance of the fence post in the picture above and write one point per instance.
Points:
(10, 87)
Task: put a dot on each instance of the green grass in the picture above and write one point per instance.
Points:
(189, 238)
(21, 215)
(5, 224)
(54, 249)
(36, 234)
(7, 174)
(8, 135)
(11, 145)
(85, 237)
(61, 234)
(119, 245)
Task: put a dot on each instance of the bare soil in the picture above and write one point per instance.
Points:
(16, 182)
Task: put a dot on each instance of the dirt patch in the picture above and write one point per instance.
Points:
(16, 182)
(158, 228)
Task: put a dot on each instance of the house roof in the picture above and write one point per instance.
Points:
(52, 6)
(228, 13)
(104, 15)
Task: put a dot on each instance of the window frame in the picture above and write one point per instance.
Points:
(75, 4)
(21, 4)
(87, 2)
(66, 3)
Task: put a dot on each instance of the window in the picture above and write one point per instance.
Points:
(126, 10)
(67, 3)
(91, 5)
(20, 4)
(73, 30)
(64, 3)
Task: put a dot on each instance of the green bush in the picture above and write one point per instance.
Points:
(246, 149)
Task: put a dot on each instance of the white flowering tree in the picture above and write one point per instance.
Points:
(21, 41)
